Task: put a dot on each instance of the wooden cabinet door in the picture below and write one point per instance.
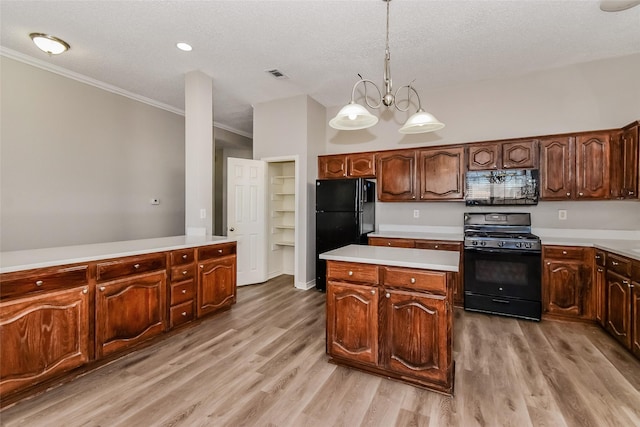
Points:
(361, 165)
(629, 166)
(332, 166)
(557, 168)
(352, 322)
(416, 335)
(618, 312)
(484, 156)
(635, 315)
(216, 284)
(129, 311)
(441, 173)
(41, 336)
(592, 166)
(520, 154)
(397, 176)
(563, 286)
(601, 295)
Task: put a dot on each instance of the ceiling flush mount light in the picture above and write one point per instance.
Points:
(49, 44)
(184, 46)
(617, 5)
(354, 116)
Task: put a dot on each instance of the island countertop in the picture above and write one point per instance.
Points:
(397, 257)
(49, 257)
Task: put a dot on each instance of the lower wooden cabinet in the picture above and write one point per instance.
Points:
(354, 336)
(43, 336)
(566, 282)
(216, 284)
(129, 311)
(600, 283)
(635, 316)
(618, 313)
(382, 325)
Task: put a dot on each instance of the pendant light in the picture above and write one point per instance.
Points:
(354, 116)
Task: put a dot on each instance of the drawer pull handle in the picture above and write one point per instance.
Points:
(413, 280)
(564, 252)
(597, 256)
(614, 263)
(219, 251)
(136, 266)
(184, 272)
(85, 291)
(39, 283)
(185, 256)
(184, 313)
(102, 288)
(184, 291)
(388, 295)
(350, 273)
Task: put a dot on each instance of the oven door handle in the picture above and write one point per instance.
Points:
(501, 301)
(503, 251)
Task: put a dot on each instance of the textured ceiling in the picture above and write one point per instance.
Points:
(320, 45)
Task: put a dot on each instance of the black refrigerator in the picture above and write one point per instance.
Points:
(345, 214)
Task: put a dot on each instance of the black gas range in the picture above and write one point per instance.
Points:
(502, 265)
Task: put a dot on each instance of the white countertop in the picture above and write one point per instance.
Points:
(391, 234)
(628, 248)
(398, 257)
(48, 257)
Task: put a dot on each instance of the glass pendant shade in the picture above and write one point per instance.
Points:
(421, 122)
(353, 117)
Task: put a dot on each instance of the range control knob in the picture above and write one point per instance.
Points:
(474, 242)
(527, 245)
(501, 243)
(483, 243)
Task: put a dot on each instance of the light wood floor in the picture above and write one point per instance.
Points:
(263, 364)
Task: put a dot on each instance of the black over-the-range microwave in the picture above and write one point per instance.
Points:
(502, 187)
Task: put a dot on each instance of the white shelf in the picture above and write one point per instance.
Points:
(284, 177)
(285, 194)
(288, 227)
(285, 243)
(284, 210)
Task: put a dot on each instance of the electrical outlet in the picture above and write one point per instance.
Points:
(203, 213)
(416, 213)
(155, 201)
(562, 214)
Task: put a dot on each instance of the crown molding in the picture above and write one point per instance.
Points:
(38, 63)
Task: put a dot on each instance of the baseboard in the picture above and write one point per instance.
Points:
(306, 286)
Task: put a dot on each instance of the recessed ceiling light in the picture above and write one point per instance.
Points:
(184, 46)
(49, 44)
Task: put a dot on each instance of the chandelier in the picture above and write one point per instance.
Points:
(354, 116)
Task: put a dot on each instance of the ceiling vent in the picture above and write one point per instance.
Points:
(277, 74)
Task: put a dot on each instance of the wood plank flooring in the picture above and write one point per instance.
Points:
(263, 364)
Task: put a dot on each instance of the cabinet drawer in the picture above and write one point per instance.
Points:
(216, 251)
(601, 258)
(564, 252)
(635, 271)
(182, 292)
(41, 280)
(183, 272)
(180, 314)
(350, 272)
(415, 279)
(128, 266)
(438, 245)
(185, 256)
(619, 264)
(394, 243)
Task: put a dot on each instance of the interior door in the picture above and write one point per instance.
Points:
(246, 220)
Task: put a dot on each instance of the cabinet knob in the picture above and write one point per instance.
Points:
(184, 291)
(136, 266)
(373, 291)
(184, 256)
(614, 263)
(600, 270)
(184, 272)
(39, 283)
(219, 251)
(564, 252)
(201, 266)
(580, 194)
(597, 256)
(102, 288)
(548, 262)
(388, 295)
(350, 273)
(626, 282)
(184, 314)
(388, 243)
(631, 193)
(436, 246)
(413, 280)
(85, 291)
(568, 194)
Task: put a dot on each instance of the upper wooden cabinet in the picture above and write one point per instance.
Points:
(441, 173)
(575, 167)
(355, 165)
(521, 154)
(624, 163)
(397, 176)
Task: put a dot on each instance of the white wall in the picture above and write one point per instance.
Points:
(79, 164)
(287, 127)
(596, 95)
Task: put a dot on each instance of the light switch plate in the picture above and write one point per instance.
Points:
(562, 214)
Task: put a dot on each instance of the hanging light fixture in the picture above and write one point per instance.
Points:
(49, 44)
(354, 116)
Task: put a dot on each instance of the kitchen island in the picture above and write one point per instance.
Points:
(390, 312)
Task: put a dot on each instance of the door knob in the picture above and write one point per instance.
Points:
(232, 229)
